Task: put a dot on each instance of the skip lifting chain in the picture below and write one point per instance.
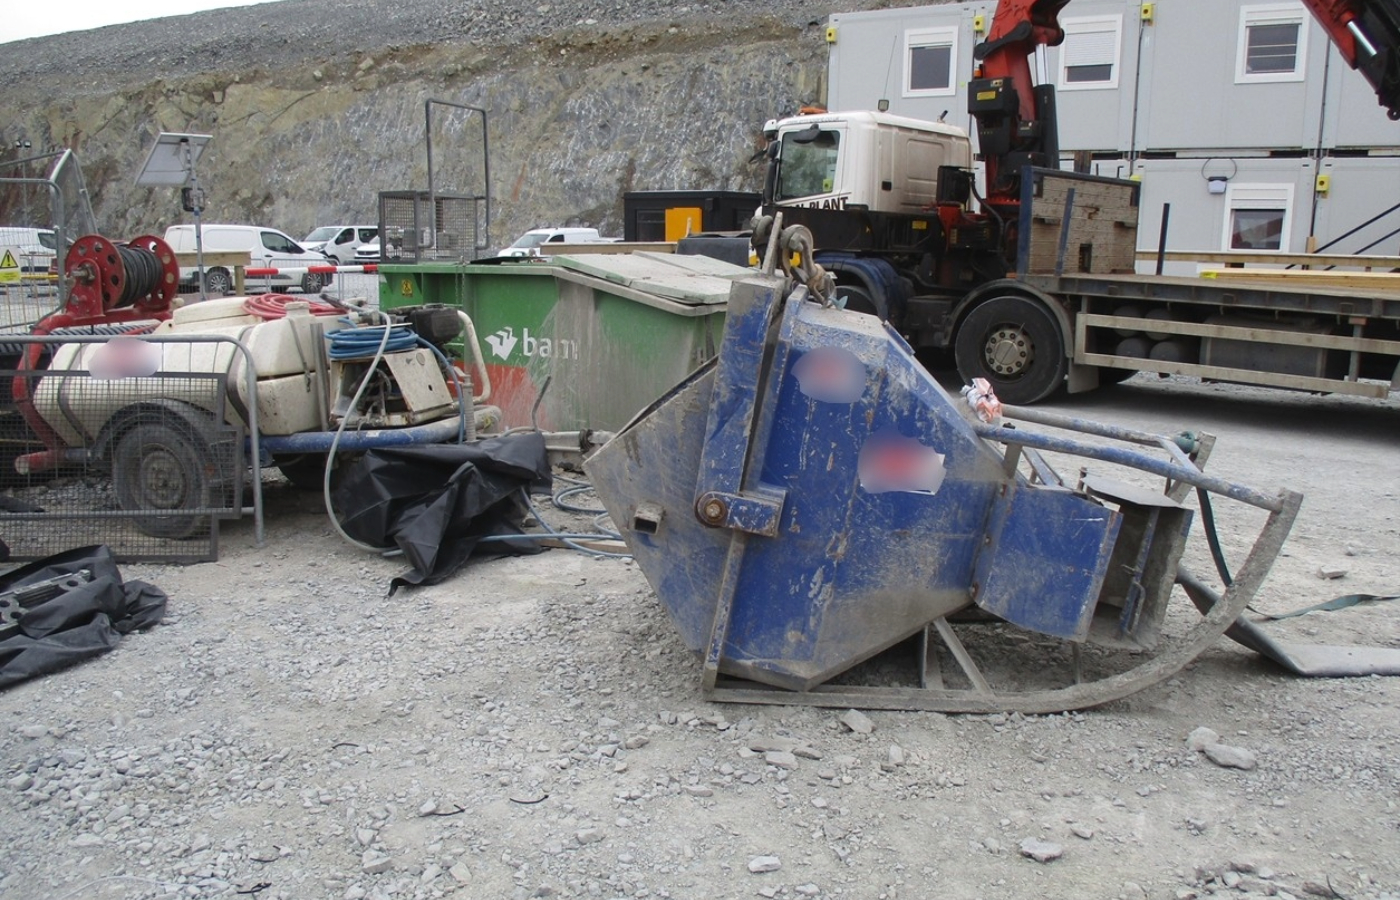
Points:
(793, 248)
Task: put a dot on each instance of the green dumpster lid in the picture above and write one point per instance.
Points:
(700, 265)
(659, 274)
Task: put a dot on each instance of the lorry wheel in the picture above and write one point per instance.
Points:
(158, 466)
(218, 282)
(1015, 344)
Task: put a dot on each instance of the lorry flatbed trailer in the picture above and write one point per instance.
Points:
(1298, 337)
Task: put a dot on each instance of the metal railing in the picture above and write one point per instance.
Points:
(147, 460)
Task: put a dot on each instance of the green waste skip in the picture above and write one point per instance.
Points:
(611, 332)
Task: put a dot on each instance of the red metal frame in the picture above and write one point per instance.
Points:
(98, 280)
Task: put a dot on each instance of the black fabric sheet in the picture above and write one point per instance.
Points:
(436, 501)
(85, 621)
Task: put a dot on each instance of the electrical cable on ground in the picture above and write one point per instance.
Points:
(356, 344)
(569, 539)
(384, 338)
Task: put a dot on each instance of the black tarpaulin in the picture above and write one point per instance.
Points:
(82, 622)
(436, 502)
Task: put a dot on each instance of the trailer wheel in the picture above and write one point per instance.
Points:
(158, 466)
(1015, 344)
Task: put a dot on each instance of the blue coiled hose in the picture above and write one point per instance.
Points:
(366, 342)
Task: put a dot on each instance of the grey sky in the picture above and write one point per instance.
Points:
(25, 20)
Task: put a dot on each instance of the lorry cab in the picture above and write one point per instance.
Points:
(869, 160)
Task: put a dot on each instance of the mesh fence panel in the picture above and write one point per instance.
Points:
(149, 465)
(72, 208)
(451, 228)
(44, 207)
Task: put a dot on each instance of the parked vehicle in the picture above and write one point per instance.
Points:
(368, 253)
(30, 249)
(339, 242)
(1034, 289)
(267, 247)
(536, 241)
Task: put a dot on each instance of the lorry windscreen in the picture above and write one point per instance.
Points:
(807, 166)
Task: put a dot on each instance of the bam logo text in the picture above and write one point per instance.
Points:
(504, 342)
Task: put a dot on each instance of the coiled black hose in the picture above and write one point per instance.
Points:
(143, 273)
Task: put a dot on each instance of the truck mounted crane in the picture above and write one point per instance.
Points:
(1032, 288)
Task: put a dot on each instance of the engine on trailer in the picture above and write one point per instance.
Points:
(401, 376)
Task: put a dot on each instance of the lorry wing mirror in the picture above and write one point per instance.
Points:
(806, 135)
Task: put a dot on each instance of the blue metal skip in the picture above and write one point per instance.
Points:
(796, 519)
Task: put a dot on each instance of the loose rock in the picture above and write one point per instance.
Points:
(372, 863)
(1041, 851)
(1201, 737)
(1230, 757)
(857, 721)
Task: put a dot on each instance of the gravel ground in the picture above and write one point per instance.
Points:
(532, 728)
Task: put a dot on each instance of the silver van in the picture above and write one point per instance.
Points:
(267, 248)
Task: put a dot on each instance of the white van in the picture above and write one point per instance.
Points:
(338, 242)
(26, 250)
(536, 242)
(267, 247)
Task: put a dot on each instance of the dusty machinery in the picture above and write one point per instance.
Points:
(124, 380)
(111, 287)
(814, 497)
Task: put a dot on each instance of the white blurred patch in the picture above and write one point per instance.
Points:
(890, 461)
(830, 375)
(124, 357)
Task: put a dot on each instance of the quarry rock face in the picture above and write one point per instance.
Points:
(309, 127)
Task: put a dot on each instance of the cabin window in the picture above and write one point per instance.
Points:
(1258, 216)
(1272, 43)
(929, 57)
(1089, 57)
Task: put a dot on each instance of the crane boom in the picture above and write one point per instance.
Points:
(1367, 34)
(1016, 122)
